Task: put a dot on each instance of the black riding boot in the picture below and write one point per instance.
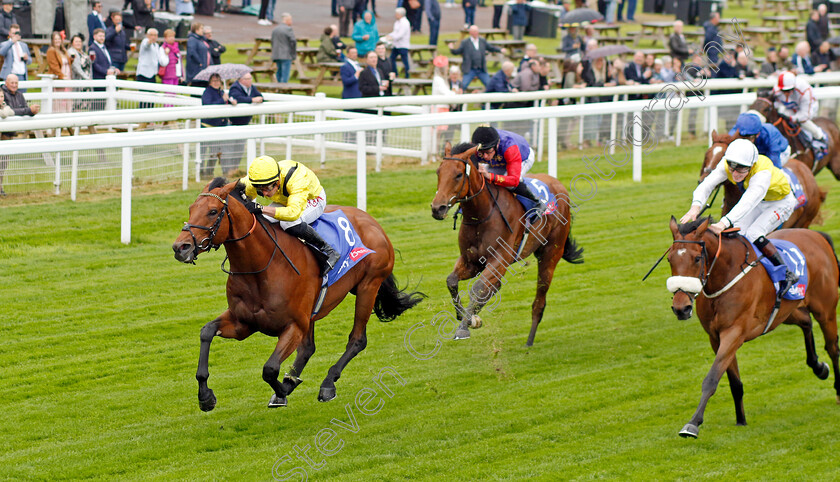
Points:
(769, 251)
(325, 253)
(523, 190)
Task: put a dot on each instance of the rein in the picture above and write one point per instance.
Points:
(789, 130)
(452, 201)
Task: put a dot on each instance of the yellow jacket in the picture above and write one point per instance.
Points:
(302, 186)
(779, 183)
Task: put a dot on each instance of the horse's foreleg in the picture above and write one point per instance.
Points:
(484, 288)
(226, 327)
(737, 389)
(287, 343)
(729, 344)
(461, 272)
(547, 263)
(365, 298)
(304, 352)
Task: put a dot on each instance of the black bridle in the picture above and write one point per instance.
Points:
(468, 165)
(207, 244)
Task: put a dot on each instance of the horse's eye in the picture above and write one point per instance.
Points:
(213, 212)
(698, 259)
(459, 175)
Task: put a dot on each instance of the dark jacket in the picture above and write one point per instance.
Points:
(823, 24)
(143, 16)
(384, 66)
(803, 63)
(498, 83)
(712, 36)
(520, 14)
(432, 8)
(368, 84)
(283, 43)
(213, 96)
(568, 45)
(198, 55)
(821, 59)
(327, 51)
(631, 73)
(350, 82)
(474, 59)
(242, 96)
(100, 64)
(6, 21)
(117, 44)
(813, 35)
(93, 23)
(16, 101)
(216, 51)
(678, 46)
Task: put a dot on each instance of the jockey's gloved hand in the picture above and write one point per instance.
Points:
(254, 207)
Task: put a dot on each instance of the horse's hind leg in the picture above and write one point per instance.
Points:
(828, 324)
(226, 327)
(365, 299)
(304, 352)
(287, 343)
(802, 317)
(547, 259)
(737, 389)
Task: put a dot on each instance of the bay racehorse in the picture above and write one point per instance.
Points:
(735, 308)
(764, 105)
(266, 294)
(491, 231)
(801, 217)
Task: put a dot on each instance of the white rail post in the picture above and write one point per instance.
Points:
(186, 168)
(425, 138)
(678, 126)
(289, 138)
(552, 146)
(125, 224)
(637, 146)
(320, 139)
(706, 123)
(538, 126)
(713, 121)
(197, 155)
(581, 102)
(262, 139)
(251, 151)
(361, 171)
(57, 181)
(466, 135)
(47, 90)
(379, 134)
(111, 92)
(613, 122)
(74, 169)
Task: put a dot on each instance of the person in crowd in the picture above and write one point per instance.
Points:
(214, 151)
(667, 73)
(771, 63)
(498, 9)
(474, 51)
(384, 65)
(243, 92)
(7, 18)
(151, 57)
(572, 42)
(101, 65)
(802, 59)
(173, 72)
(469, 12)
(413, 13)
(745, 68)
(216, 49)
(94, 19)
(400, 39)
(266, 14)
(345, 14)
(327, 51)
(531, 53)
(520, 15)
(822, 9)
(58, 65)
(15, 55)
(822, 58)
(198, 54)
(283, 47)
(359, 7)
(635, 72)
(812, 31)
(184, 7)
(597, 73)
(442, 86)
(677, 67)
(365, 33)
(350, 72)
(336, 40)
(528, 78)
(501, 82)
(143, 14)
(785, 62)
(164, 4)
(677, 44)
(79, 68)
(432, 8)
(712, 43)
(631, 10)
(117, 42)
(372, 81)
(13, 98)
(727, 67)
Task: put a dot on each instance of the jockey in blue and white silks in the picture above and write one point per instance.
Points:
(767, 139)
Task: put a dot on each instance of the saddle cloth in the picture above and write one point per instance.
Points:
(795, 261)
(541, 190)
(337, 230)
(796, 187)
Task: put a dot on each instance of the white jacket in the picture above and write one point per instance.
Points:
(798, 103)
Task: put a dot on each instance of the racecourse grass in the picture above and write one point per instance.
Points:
(100, 349)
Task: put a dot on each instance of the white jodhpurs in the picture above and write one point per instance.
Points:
(813, 129)
(313, 210)
(766, 217)
(527, 164)
(784, 155)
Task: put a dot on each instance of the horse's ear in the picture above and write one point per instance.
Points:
(703, 226)
(469, 153)
(447, 149)
(674, 226)
(737, 134)
(715, 136)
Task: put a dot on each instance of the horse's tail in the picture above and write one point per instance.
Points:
(572, 252)
(391, 301)
(831, 243)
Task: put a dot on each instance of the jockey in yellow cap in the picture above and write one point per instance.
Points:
(297, 201)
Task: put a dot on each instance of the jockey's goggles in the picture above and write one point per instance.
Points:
(264, 188)
(734, 166)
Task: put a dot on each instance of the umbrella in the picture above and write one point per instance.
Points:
(607, 51)
(226, 71)
(580, 15)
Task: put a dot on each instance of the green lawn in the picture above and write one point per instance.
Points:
(100, 349)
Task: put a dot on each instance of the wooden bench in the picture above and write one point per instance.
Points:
(412, 86)
(487, 33)
(285, 88)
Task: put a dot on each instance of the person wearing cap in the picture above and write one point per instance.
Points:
(7, 18)
(572, 42)
(794, 98)
(297, 200)
(504, 158)
(767, 139)
(766, 203)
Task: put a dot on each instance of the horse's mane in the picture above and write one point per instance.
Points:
(462, 148)
(216, 183)
(723, 138)
(692, 226)
(765, 93)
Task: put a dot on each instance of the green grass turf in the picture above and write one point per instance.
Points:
(100, 349)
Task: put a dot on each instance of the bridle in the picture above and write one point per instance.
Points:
(466, 181)
(705, 275)
(207, 244)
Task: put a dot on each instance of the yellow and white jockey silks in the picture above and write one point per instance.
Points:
(779, 183)
(294, 190)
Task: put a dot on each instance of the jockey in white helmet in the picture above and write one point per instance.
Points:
(794, 98)
(766, 203)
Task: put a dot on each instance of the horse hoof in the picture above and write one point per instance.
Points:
(475, 322)
(462, 334)
(824, 371)
(689, 431)
(326, 394)
(208, 403)
(277, 401)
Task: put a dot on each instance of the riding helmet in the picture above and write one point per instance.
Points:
(748, 124)
(787, 81)
(263, 170)
(741, 151)
(485, 138)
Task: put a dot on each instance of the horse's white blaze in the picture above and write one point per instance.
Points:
(689, 284)
(681, 251)
(716, 151)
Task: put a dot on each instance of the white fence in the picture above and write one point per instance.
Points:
(314, 133)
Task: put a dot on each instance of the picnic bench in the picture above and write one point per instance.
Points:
(285, 88)
(258, 46)
(412, 86)
(763, 34)
(487, 33)
(656, 31)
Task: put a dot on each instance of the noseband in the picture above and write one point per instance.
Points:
(207, 244)
(467, 170)
(704, 275)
